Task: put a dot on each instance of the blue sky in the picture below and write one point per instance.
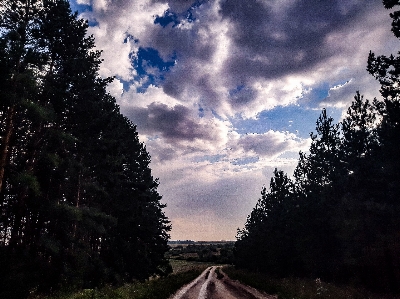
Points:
(223, 92)
(295, 119)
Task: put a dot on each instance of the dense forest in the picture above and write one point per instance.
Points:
(78, 205)
(337, 217)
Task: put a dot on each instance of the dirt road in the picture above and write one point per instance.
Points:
(214, 284)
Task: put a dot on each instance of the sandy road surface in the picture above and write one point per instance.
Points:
(214, 284)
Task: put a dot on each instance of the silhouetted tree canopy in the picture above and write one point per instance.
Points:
(338, 218)
(78, 203)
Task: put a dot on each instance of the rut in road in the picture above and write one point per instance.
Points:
(214, 284)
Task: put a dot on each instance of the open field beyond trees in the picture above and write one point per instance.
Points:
(213, 252)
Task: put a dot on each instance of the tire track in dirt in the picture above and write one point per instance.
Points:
(214, 284)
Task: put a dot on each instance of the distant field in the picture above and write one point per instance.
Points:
(216, 252)
(179, 266)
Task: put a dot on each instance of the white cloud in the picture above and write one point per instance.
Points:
(115, 88)
(83, 2)
(153, 94)
(115, 52)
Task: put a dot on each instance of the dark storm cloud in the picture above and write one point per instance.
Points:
(193, 50)
(172, 123)
(182, 43)
(242, 95)
(267, 145)
(161, 153)
(186, 82)
(274, 41)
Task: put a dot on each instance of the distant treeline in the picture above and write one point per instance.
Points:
(182, 242)
(197, 242)
(338, 217)
(214, 252)
(78, 204)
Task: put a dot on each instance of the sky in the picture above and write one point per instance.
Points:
(225, 91)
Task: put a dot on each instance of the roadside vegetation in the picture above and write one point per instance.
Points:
(299, 288)
(154, 288)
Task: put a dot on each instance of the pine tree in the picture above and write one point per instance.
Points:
(266, 243)
(319, 168)
(387, 71)
(78, 202)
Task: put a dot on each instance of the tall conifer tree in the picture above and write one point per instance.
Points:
(78, 202)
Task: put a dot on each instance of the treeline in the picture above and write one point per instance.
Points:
(213, 252)
(338, 217)
(78, 205)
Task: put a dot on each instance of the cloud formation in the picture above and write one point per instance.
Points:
(269, 144)
(172, 123)
(221, 90)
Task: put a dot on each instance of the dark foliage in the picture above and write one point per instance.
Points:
(219, 253)
(78, 203)
(338, 218)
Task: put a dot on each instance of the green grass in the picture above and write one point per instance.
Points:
(185, 271)
(179, 266)
(218, 272)
(296, 288)
(157, 288)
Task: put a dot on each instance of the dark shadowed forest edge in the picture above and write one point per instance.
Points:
(154, 288)
(301, 288)
(185, 271)
(80, 208)
(337, 219)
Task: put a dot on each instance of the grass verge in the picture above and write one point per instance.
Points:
(296, 288)
(159, 288)
(179, 266)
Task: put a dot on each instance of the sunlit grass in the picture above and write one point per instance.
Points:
(179, 266)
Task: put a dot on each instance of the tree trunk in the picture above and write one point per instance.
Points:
(4, 153)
